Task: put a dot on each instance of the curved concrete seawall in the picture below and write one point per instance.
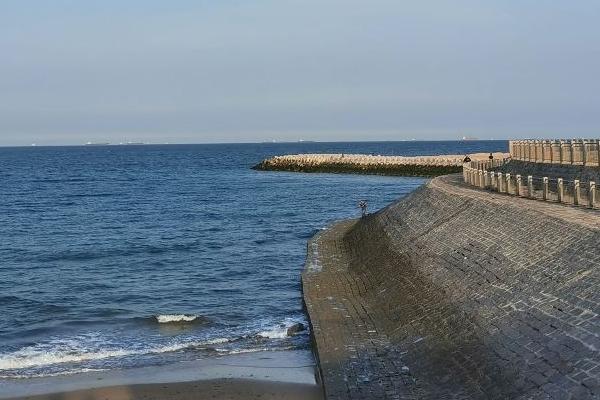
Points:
(455, 293)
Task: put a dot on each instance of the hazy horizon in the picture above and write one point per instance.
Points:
(256, 142)
(224, 72)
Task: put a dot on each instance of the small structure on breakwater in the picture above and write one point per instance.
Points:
(372, 164)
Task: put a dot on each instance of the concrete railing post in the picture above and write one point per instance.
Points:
(500, 183)
(518, 185)
(576, 192)
(508, 184)
(560, 190)
(577, 152)
(545, 188)
(530, 187)
(539, 151)
(556, 152)
(547, 151)
(591, 153)
(565, 152)
(592, 196)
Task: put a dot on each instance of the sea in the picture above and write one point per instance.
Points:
(118, 257)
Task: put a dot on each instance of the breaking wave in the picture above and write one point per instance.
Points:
(72, 352)
(280, 331)
(178, 318)
(95, 350)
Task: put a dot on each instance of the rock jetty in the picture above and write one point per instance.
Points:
(458, 293)
(371, 164)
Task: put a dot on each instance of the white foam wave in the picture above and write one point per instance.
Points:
(279, 331)
(32, 357)
(55, 374)
(40, 356)
(95, 346)
(243, 351)
(171, 318)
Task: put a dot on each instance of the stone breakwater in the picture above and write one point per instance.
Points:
(371, 164)
(458, 293)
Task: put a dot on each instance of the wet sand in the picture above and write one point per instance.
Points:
(234, 389)
(260, 375)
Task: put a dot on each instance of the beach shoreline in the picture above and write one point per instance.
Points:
(264, 375)
(224, 388)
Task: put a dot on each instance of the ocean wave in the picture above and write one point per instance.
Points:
(178, 318)
(95, 350)
(30, 357)
(55, 374)
(280, 330)
(275, 333)
(72, 352)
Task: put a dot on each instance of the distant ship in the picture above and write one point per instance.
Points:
(134, 143)
(469, 138)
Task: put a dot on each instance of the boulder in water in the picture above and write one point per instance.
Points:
(295, 329)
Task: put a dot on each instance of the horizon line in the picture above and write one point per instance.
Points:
(108, 144)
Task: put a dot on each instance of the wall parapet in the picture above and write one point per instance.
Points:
(573, 192)
(584, 152)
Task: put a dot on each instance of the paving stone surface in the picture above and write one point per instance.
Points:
(456, 293)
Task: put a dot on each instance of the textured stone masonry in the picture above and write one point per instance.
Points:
(457, 293)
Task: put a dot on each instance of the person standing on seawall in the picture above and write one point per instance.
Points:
(363, 207)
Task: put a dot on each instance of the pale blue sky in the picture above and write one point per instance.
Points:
(238, 71)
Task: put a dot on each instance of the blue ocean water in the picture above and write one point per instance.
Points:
(125, 256)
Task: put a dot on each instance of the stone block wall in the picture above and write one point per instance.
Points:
(480, 296)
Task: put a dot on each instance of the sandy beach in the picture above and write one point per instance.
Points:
(235, 389)
(261, 375)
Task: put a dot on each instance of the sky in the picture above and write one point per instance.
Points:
(183, 71)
